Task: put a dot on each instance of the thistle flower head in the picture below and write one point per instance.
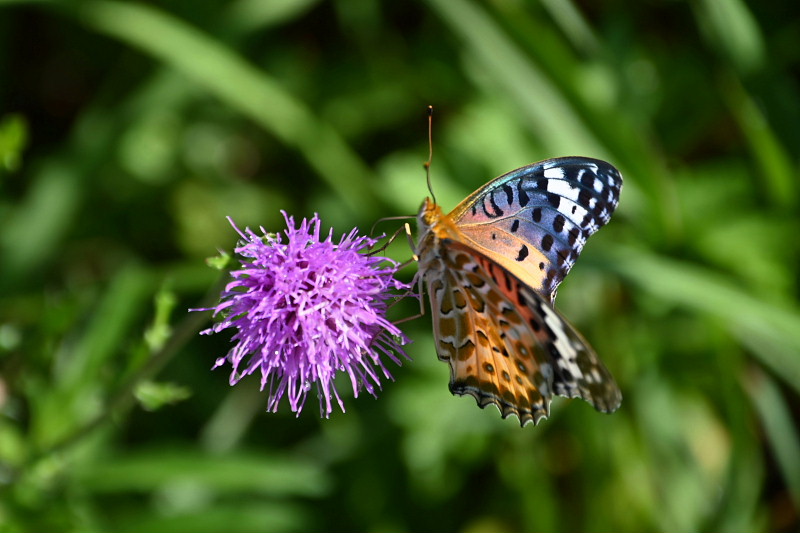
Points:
(306, 308)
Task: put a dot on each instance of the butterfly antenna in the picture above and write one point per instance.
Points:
(427, 164)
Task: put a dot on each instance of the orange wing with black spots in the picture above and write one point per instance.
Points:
(506, 345)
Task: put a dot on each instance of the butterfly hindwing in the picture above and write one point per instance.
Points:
(504, 342)
(477, 340)
(535, 220)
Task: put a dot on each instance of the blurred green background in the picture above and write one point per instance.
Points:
(128, 131)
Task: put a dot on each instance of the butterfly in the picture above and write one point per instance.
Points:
(492, 268)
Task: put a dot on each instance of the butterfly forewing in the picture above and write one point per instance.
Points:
(506, 345)
(535, 220)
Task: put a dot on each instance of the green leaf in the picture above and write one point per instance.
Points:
(153, 396)
(221, 261)
(13, 140)
(264, 473)
(159, 331)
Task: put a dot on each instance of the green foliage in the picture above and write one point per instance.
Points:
(13, 138)
(128, 131)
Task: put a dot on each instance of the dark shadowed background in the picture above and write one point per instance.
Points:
(128, 131)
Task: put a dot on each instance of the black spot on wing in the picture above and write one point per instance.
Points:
(558, 223)
(509, 193)
(547, 242)
(520, 298)
(523, 253)
(584, 198)
(498, 212)
(522, 195)
(573, 235)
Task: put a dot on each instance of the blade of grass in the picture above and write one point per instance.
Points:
(249, 15)
(242, 86)
(538, 99)
(37, 223)
(732, 28)
(80, 367)
(261, 473)
(122, 305)
(247, 515)
(572, 23)
(772, 332)
(779, 179)
(776, 419)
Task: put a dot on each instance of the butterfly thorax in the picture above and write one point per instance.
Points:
(434, 226)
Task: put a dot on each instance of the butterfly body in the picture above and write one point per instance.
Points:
(492, 267)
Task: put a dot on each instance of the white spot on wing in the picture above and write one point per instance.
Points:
(562, 343)
(563, 188)
(554, 173)
(578, 216)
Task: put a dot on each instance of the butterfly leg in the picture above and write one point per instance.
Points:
(390, 241)
(418, 278)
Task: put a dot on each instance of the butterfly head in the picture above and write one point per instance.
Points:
(429, 213)
(434, 227)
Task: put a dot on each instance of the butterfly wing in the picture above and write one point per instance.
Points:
(535, 220)
(504, 342)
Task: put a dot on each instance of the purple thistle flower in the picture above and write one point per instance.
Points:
(305, 309)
